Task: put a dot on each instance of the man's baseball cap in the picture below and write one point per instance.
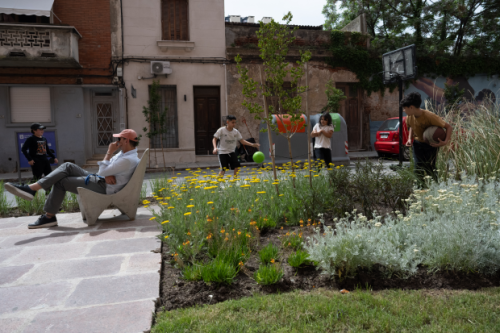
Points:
(36, 126)
(127, 134)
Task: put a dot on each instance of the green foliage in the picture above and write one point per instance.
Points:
(4, 205)
(33, 207)
(70, 203)
(191, 272)
(155, 116)
(334, 97)
(268, 253)
(452, 93)
(268, 274)
(292, 240)
(298, 259)
(218, 271)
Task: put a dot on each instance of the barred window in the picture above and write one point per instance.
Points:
(170, 137)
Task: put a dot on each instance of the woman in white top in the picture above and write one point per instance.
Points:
(323, 131)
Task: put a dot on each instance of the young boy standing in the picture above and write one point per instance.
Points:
(35, 149)
(418, 120)
(228, 136)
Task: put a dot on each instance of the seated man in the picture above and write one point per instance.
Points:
(114, 173)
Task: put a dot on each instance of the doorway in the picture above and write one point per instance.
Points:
(206, 117)
(104, 120)
(350, 110)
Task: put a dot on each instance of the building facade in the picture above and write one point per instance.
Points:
(181, 45)
(56, 69)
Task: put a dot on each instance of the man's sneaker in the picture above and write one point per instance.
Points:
(22, 191)
(44, 222)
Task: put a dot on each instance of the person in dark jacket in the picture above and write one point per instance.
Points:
(36, 151)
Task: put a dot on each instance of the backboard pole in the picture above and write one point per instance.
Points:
(401, 146)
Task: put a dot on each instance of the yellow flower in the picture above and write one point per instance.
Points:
(316, 176)
(337, 167)
(188, 233)
(151, 219)
(272, 261)
(171, 207)
(165, 222)
(164, 203)
(146, 206)
(210, 202)
(276, 183)
(188, 213)
(222, 231)
(166, 236)
(190, 206)
(145, 202)
(262, 192)
(281, 195)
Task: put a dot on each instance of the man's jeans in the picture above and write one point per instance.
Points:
(424, 156)
(68, 177)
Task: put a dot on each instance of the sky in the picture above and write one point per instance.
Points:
(304, 12)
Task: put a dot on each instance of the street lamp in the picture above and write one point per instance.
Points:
(400, 65)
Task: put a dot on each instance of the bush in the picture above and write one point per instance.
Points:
(268, 253)
(450, 226)
(268, 274)
(218, 271)
(192, 272)
(298, 259)
(4, 205)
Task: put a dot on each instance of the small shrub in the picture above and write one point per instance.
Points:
(218, 271)
(4, 205)
(192, 272)
(268, 253)
(33, 207)
(268, 274)
(292, 240)
(70, 202)
(298, 259)
(450, 226)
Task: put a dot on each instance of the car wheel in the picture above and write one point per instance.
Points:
(406, 153)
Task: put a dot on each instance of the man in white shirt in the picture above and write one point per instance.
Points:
(114, 173)
(228, 136)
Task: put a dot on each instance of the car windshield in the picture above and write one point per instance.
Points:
(390, 125)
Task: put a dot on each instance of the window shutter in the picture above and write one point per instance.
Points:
(175, 19)
(30, 105)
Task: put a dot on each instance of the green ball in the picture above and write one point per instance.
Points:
(258, 157)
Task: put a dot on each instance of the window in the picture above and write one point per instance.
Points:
(30, 105)
(175, 19)
(170, 138)
(13, 18)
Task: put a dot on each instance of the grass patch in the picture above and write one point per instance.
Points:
(330, 311)
(268, 274)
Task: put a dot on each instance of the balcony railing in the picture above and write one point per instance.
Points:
(29, 45)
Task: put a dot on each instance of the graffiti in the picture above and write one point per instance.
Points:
(477, 89)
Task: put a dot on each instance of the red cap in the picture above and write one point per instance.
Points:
(127, 134)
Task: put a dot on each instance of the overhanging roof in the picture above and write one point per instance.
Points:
(26, 7)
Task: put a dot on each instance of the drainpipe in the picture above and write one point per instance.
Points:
(225, 86)
(123, 66)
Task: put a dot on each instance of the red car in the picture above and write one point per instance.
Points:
(387, 142)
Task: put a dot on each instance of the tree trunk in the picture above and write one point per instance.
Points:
(161, 142)
(289, 139)
(269, 136)
(308, 127)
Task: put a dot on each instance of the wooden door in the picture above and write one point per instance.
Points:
(349, 109)
(104, 121)
(207, 118)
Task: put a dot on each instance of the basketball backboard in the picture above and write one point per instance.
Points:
(399, 63)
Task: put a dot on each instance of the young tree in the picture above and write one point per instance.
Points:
(274, 43)
(156, 118)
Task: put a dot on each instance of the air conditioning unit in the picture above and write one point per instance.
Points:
(235, 18)
(161, 67)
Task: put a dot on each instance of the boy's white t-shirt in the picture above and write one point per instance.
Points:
(227, 140)
(322, 141)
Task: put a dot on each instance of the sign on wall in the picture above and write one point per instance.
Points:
(23, 136)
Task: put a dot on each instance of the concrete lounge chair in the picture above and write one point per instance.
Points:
(92, 204)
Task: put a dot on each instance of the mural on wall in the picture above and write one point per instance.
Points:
(476, 89)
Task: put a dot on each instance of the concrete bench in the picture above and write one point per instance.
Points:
(92, 204)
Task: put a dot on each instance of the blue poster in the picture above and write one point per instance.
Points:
(21, 138)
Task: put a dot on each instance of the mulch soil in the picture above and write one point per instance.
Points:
(178, 293)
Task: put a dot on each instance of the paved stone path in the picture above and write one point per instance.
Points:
(74, 278)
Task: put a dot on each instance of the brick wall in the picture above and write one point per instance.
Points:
(92, 20)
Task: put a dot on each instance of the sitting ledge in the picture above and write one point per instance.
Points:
(164, 45)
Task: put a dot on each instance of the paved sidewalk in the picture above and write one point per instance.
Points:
(75, 278)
